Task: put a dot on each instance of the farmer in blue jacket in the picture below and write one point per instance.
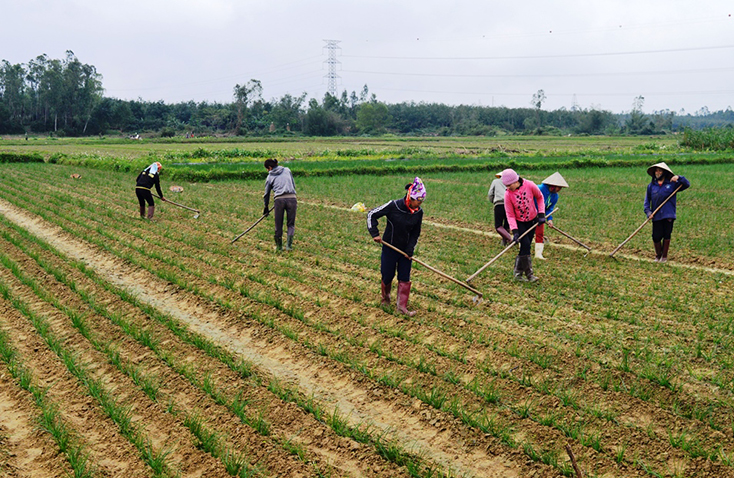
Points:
(550, 188)
(662, 185)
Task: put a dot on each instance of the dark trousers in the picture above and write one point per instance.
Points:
(526, 241)
(500, 217)
(144, 195)
(662, 229)
(391, 260)
(287, 206)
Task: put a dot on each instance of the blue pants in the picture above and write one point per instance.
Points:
(391, 260)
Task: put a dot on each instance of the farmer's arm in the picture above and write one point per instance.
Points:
(413, 238)
(158, 186)
(681, 180)
(510, 211)
(552, 201)
(372, 218)
(266, 196)
(648, 201)
(539, 199)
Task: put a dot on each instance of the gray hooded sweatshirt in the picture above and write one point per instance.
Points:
(280, 181)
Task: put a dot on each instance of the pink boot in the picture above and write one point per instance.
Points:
(403, 295)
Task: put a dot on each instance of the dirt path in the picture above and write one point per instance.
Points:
(352, 400)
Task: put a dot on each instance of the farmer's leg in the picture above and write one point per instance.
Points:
(525, 242)
(278, 211)
(141, 201)
(388, 262)
(291, 205)
(404, 267)
(667, 233)
(501, 225)
(658, 231)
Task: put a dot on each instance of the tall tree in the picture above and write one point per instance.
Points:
(244, 96)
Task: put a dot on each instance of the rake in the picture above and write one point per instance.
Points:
(196, 216)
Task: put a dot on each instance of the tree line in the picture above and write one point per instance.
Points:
(65, 98)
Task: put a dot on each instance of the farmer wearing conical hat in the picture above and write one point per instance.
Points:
(662, 185)
(550, 188)
(148, 178)
(525, 208)
(496, 194)
(404, 218)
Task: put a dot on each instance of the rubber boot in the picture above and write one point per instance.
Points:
(403, 295)
(658, 251)
(539, 246)
(142, 212)
(518, 272)
(289, 243)
(151, 211)
(664, 252)
(528, 268)
(385, 289)
(278, 243)
(506, 237)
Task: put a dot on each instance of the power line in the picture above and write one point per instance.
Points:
(529, 94)
(540, 57)
(545, 75)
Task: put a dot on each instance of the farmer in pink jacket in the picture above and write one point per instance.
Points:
(521, 198)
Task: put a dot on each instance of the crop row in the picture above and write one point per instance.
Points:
(434, 345)
(171, 374)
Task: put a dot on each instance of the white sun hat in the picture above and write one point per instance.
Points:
(663, 166)
(556, 179)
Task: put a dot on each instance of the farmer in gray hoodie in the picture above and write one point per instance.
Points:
(280, 181)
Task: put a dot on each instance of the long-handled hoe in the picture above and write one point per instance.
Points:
(255, 224)
(477, 299)
(510, 246)
(588, 249)
(646, 221)
(181, 205)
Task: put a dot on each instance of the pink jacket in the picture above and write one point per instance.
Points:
(520, 203)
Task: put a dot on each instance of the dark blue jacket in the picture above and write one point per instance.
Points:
(402, 229)
(657, 193)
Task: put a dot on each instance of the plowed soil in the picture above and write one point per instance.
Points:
(288, 361)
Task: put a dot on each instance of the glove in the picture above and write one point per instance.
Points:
(515, 235)
(541, 218)
(266, 211)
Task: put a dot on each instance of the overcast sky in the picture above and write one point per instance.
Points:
(593, 53)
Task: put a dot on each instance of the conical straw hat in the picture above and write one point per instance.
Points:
(663, 166)
(556, 179)
(498, 175)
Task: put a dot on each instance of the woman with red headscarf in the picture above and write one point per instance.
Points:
(404, 218)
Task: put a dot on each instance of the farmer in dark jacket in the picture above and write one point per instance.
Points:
(662, 185)
(148, 178)
(280, 181)
(404, 217)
